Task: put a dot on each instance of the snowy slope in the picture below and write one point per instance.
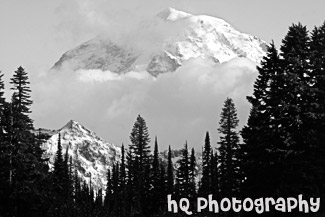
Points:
(91, 155)
(164, 43)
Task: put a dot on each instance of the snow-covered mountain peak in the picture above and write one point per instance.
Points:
(165, 43)
(91, 155)
(71, 125)
(171, 14)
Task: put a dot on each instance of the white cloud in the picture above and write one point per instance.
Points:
(177, 106)
(97, 75)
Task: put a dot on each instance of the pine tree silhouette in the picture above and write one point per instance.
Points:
(229, 145)
(206, 180)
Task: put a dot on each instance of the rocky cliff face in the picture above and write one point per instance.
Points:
(91, 155)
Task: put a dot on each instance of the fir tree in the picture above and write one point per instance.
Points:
(215, 173)
(77, 193)
(5, 151)
(131, 186)
(170, 173)
(182, 186)
(262, 135)
(3, 104)
(206, 180)
(67, 184)
(2, 87)
(296, 99)
(116, 190)
(155, 165)
(281, 155)
(27, 166)
(192, 176)
(59, 162)
(21, 100)
(296, 115)
(228, 149)
(155, 177)
(140, 142)
(123, 179)
(162, 189)
(108, 192)
(317, 113)
(123, 167)
(141, 157)
(59, 175)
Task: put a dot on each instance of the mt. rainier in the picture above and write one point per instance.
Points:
(164, 43)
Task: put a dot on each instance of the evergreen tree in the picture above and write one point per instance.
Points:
(229, 145)
(317, 113)
(318, 77)
(5, 154)
(262, 135)
(116, 190)
(192, 175)
(67, 184)
(155, 165)
(170, 173)
(59, 175)
(108, 192)
(27, 166)
(132, 188)
(21, 100)
(155, 177)
(123, 167)
(140, 152)
(2, 87)
(140, 142)
(215, 173)
(295, 98)
(66, 171)
(283, 155)
(59, 163)
(3, 104)
(122, 184)
(162, 190)
(296, 116)
(206, 181)
(98, 204)
(182, 186)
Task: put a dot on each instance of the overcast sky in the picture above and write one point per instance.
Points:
(35, 33)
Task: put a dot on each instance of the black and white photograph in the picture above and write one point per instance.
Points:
(162, 108)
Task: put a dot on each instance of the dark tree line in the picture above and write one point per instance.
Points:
(149, 180)
(281, 154)
(284, 138)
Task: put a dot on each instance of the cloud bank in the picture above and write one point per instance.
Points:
(177, 106)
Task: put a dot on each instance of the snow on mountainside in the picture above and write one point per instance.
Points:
(181, 36)
(91, 155)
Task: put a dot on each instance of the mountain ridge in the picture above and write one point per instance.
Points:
(91, 156)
